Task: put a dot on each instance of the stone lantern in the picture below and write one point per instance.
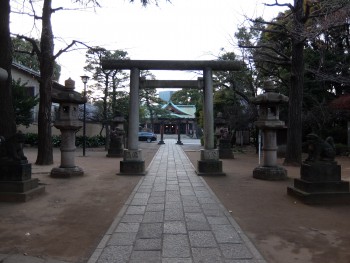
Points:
(67, 121)
(269, 122)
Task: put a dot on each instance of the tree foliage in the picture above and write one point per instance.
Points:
(23, 103)
(305, 50)
(23, 54)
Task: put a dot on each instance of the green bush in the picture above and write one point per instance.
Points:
(31, 139)
(94, 141)
(56, 140)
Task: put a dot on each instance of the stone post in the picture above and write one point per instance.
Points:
(161, 133)
(209, 164)
(133, 162)
(179, 142)
(68, 123)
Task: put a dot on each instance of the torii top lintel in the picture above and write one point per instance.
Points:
(215, 65)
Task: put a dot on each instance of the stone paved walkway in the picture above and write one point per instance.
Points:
(173, 216)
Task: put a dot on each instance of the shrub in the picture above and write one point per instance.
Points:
(31, 139)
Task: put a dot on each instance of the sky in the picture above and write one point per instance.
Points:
(180, 30)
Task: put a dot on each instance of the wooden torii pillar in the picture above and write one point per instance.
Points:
(133, 162)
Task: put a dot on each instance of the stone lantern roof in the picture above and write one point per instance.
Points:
(66, 93)
(270, 96)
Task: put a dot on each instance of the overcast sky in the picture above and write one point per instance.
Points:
(183, 29)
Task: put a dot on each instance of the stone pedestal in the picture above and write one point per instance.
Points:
(225, 150)
(270, 173)
(320, 183)
(116, 148)
(132, 163)
(209, 164)
(16, 184)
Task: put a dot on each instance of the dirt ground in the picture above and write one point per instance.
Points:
(67, 222)
(283, 229)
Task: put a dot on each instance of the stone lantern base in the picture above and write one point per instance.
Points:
(61, 172)
(270, 173)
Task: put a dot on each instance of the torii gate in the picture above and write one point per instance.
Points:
(133, 162)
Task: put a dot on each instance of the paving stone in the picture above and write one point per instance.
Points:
(171, 205)
(141, 195)
(153, 217)
(175, 245)
(177, 260)
(216, 212)
(115, 254)
(206, 200)
(174, 227)
(132, 218)
(145, 257)
(173, 183)
(144, 190)
(202, 239)
(218, 220)
(148, 244)
(127, 227)
(139, 201)
(206, 255)
(196, 221)
(150, 230)
(155, 207)
(187, 192)
(173, 214)
(193, 209)
(202, 193)
(135, 210)
(190, 203)
(158, 193)
(172, 187)
(122, 239)
(226, 234)
(156, 200)
(235, 251)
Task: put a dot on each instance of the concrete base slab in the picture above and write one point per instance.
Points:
(270, 173)
(209, 167)
(21, 197)
(60, 172)
(319, 198)
(132, 168)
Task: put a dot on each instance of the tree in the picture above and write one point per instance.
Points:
(7, 114)
(301, 24)
(46, 57)
(23, 103)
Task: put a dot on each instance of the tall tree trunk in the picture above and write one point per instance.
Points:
(294, 133)
(46, 59)
(7, 115)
